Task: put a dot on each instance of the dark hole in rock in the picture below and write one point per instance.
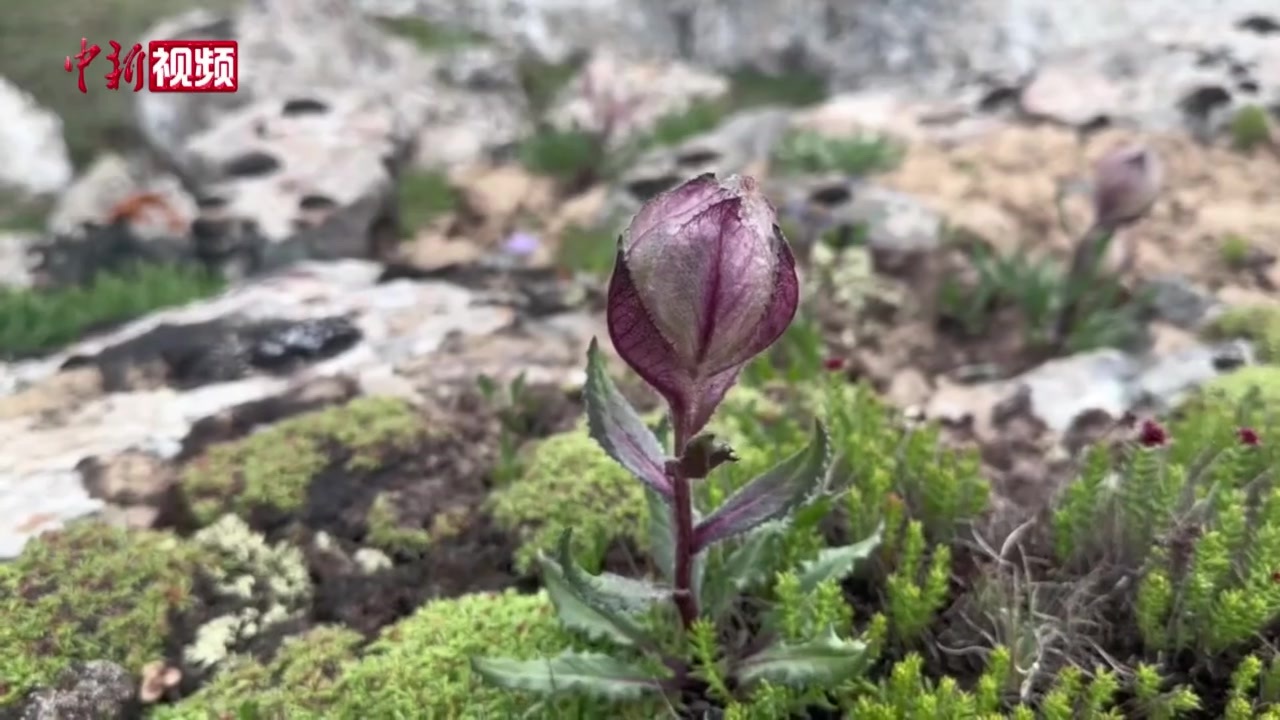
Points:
(211, 202)
(1203, 100)
(251, 164)
(220, 350)
(646, 189)
(1248, 86)
(317, 202)
(1097, 124)
(697, 158)
(1228, 359)
(831, 195)
(1261, 24)
(304, 106)
(998, 99)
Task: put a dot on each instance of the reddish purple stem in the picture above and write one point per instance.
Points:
(682, 510)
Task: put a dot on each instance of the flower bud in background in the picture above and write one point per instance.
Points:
(704, 281)
(1126, 182)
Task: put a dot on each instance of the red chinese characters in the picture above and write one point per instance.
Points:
(198, 66)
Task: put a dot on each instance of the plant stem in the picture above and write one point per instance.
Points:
(682, 511)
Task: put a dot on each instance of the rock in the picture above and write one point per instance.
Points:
(131, 478)
(1178, 301)
(1167, 78)
(176, 371)
(18, 259)
(622, 99)
(1170, 379)
(36, 161)
(96, 690)
(307, 178)
(115, 187)
(744, 141)
(453, 109)
(931, 45)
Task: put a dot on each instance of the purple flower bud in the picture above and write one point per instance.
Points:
(1126, 182)
(704, 281)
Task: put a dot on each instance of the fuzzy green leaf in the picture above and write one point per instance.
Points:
(838, 563)
(599, 608)
(589, 673)
(616, 425)
(771, 495)
(825, 661)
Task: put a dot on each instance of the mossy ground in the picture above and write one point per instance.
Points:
(93, 593)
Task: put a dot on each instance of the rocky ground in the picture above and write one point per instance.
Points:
(292, 378)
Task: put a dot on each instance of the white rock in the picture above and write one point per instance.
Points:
(36, 161)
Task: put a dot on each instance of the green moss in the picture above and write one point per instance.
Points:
(298, 682)
(588, 250)
(90, 592)
(1250, 128)
(420, 668)
(566, 155)
(272, 468)
(424, 195)
(807, 152)
(1239, 384)
(1234, 251)
(1260, 323)
(32, 321)
(430, 36)
(571, 482)
(387, 533)
(750, 88)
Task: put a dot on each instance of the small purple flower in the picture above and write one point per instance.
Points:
(1152, 434)
(704, 281)
(521, 243)
(1249, 436)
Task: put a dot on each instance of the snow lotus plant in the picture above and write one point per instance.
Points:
(703, 282)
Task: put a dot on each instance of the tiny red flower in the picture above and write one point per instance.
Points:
(1152, 434)
(1249, 436)
(833, 364)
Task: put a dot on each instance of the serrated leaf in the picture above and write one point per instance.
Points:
(744, 567)
(607, 591)
(618, 428)
(588, 673)
(769, 496)
(580, 606)
(837, 563)
(824, 661)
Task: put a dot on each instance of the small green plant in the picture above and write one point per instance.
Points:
(430, 36)
(514, 413)
(423, 196)
(590, 250)
(33, 321)
(1250, 128)
(1235, 251)
(1039, 292)
(808, 152)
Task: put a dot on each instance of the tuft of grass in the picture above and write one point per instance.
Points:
(34, 321)
(430, 36)
(1260, 324)
(272, 469)
(804, 152)
(574, 157)
(423, 196)
(1234, 251)
(91, 592)
(590, 250)
(1250, 128)
(752, 88)
(1038, 290)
